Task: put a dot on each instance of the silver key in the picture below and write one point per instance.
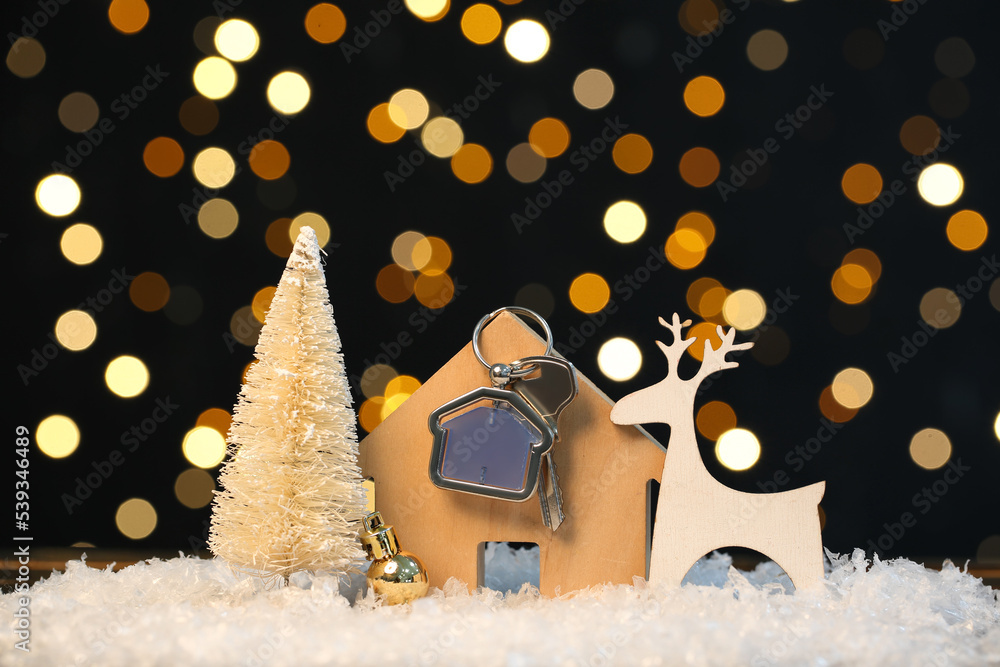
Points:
(548, 384)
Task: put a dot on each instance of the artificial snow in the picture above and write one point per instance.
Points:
(188, 611)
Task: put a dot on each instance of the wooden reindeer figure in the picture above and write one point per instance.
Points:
(695, 513)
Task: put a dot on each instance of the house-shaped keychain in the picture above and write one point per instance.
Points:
(604, 474)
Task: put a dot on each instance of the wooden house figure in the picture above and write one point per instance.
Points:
(604, 473)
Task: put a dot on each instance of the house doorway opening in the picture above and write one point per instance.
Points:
(506, 566)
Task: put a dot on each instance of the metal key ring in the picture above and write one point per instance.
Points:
(520, 311)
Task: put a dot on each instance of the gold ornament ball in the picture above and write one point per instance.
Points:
(397, 575)
(400, 578)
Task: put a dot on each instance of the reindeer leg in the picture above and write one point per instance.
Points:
(671, 556)
(802, 562)
(672, 571)
(801, 556)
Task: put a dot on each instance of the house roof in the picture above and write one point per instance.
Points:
(603, 470)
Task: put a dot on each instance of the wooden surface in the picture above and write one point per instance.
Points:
(696, 514)
(603, 469)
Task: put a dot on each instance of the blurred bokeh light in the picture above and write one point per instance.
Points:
(214, 77)
(76, 330)
(288, 92)
(852, 388)
(126, 376)
(204, 447)
(236, 40)
(58, 195)
(967, 230)
(57, 436)
(930, 448)
(214, 167)
(593, 88)
(767, 50)
(325, 23)
(526, 41)
(26, 57)
(940, 184)
(625, 221)
(481, 23)
(737, 449)
(194, 488)
(81, 243)
(704, 96)
(619, 359)
(408, 108)
(136, 518)
(78, 112)
(715, 418)
(589, 292)
(744, 309)
(128, 16)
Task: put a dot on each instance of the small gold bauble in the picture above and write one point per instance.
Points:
(400, 579)
(397, 575)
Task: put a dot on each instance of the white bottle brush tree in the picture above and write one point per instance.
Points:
(292, 495)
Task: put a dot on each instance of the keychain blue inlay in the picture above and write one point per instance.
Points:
(499, 441)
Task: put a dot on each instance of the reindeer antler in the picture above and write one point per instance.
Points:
(671, 400)
(715, 360)
(675, 350)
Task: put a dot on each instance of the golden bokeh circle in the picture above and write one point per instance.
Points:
(699, 167)
(126, 376)
(702, 332)
(861, 183)
(967, 230)
(194, 488)
(685, 248)
(715, 418)
(549, 136)
(381, 125)
(632, 153)
(57, 436)
(472, 164)
(269, 159)
(481, 23)
(81, 243)
(128, 16)
(930, 448)
(589, 292)
(704, 96)
(852, 388)
(136, 518)
(325, 23)
(149, 291)
(163, 157)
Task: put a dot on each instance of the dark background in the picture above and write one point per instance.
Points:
(784, 232)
